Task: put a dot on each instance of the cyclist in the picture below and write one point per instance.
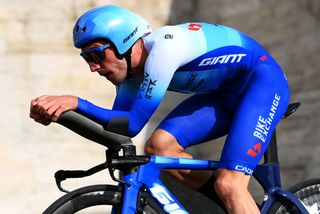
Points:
(238, 89)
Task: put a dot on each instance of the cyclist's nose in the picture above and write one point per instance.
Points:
(94, 67)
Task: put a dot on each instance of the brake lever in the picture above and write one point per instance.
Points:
(62, 175)
(59, 177)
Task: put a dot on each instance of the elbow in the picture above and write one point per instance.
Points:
(137, 120)
(135, 127)
(133, 131)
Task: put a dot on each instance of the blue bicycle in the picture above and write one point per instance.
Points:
(141, 190)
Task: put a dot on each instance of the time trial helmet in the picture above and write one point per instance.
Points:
(121, 27)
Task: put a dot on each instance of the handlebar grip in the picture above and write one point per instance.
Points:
(92, 130)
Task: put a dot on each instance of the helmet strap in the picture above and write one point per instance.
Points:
(127, 56)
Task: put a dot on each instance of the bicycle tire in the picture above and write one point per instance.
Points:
(96, 195)
(308, 192)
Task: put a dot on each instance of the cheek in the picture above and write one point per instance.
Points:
(112, 63)
(122, 63)
(121, 66)
(117, 65)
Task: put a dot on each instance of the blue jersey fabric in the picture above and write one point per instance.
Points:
(235, 82)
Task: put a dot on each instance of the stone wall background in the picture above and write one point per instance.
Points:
(37, 57)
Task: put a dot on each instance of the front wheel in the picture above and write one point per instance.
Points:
(87, 199)
(308, 192)
(99, 199)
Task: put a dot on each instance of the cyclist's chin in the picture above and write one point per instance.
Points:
(114, 80)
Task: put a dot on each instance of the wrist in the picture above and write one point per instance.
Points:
(82, 105)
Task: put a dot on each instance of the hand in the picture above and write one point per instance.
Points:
(46, 109)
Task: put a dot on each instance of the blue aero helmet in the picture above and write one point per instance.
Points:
(121, 27)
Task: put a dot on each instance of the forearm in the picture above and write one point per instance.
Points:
(136, 118)
(96, 113)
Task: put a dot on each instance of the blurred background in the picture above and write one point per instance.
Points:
(37, 57)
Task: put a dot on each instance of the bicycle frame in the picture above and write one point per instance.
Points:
(147, 170)
(147, 176)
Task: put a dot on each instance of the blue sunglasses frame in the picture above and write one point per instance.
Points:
(95, 55)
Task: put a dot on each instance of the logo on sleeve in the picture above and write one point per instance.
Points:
(255, 150)
(244, 169)
(264, 123)
(147, 86)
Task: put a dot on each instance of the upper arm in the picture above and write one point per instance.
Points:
(160, 66)
(126, 93)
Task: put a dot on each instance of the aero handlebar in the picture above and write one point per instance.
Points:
(92, 130)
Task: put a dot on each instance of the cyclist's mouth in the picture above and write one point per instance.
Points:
(106, 74)
(110, 76)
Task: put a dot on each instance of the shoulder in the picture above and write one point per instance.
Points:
(162, 36)
(176, 39)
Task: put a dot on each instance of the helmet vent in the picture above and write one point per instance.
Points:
(83, 29)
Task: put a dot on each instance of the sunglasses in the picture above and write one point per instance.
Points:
(95, 55)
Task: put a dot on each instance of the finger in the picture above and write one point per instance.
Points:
(33, 110)
(38, 99)
(46, 104)
(39, 117)
(52, 111)
(58, 113)
(64, 104)
(33, 102)
(39, 107)
(34, 115)
(42, 98)
(43, 121)
(33, 106)
(53, 106)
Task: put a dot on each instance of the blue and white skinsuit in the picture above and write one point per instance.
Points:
(239, 90)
